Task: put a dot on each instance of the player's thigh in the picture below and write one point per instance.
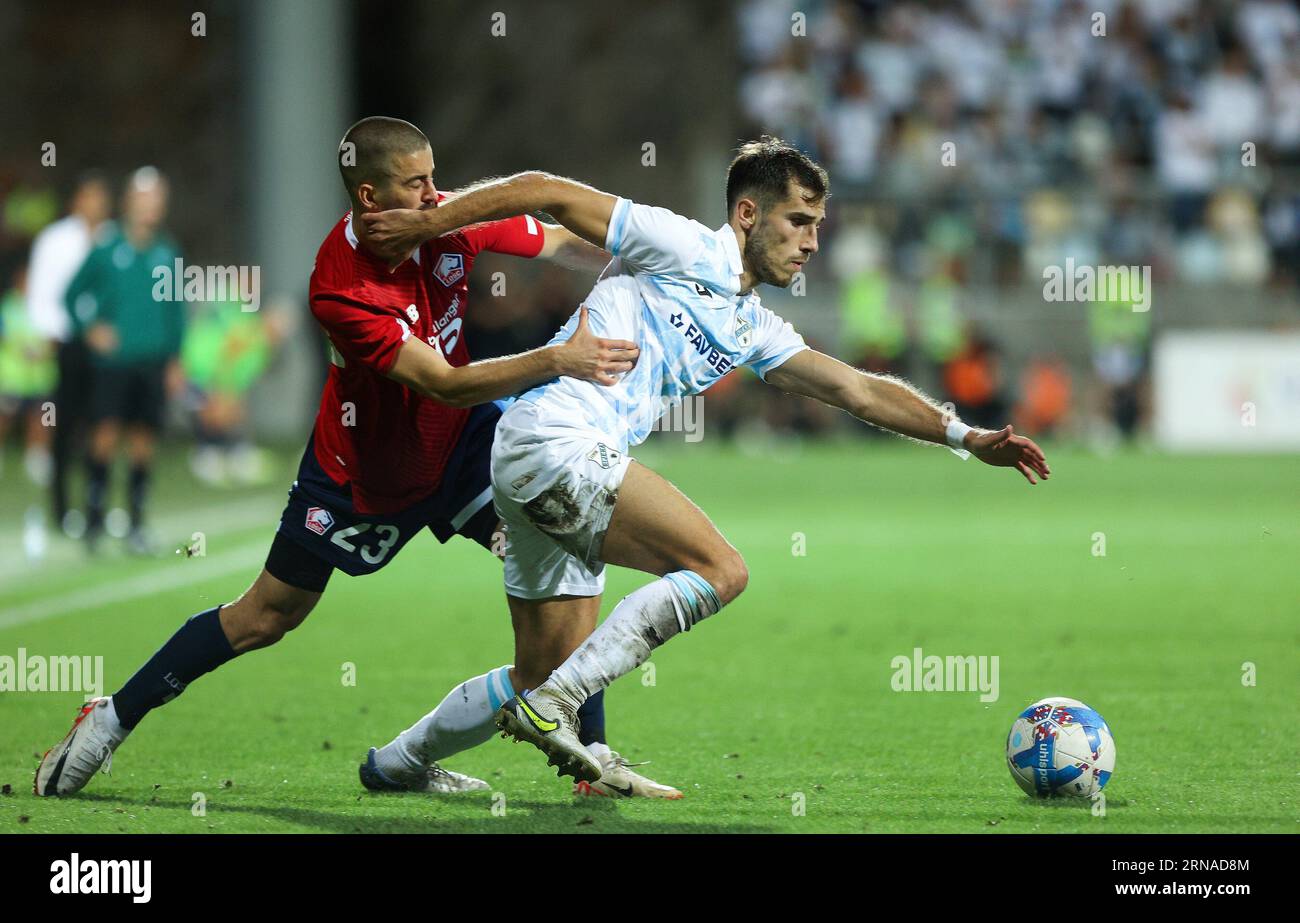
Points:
(265, 612)
(657, 529)
(547, 631)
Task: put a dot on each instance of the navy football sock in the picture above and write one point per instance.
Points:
(198, 647)
(591, 718)
(139, 489)
(96, 494)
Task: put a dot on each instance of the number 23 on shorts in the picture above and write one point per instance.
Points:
(387, 535)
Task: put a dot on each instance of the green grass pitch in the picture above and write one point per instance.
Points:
(782, 699)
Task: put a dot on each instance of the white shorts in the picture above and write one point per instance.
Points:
(554, 482)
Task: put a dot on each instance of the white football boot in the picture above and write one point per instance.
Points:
(432, 780)
(441, 781)
(67, 767)
(619, 781)
(552, 727)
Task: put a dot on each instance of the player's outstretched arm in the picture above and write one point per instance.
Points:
(895, 405)
(423, 368)
(395, 233)
(565, 248)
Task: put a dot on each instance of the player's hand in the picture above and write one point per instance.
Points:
(594, 358)
(102, 338)
(395, 234)
(1004, 449)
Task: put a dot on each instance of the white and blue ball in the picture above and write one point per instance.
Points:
(1060, 746)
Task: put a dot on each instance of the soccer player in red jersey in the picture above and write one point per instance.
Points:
(401, 441)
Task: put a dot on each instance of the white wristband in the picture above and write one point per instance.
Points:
(955, 434)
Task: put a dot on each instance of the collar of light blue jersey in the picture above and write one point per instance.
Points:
(732, 249)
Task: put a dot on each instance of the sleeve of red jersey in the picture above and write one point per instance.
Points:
(522, 235)
(360, 333)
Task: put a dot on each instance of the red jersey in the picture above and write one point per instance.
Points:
(389, 443)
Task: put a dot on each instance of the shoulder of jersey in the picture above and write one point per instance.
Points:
(339, 261)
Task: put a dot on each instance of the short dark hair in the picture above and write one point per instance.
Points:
(764, 168)
(89, 177)
(92, 176)
(374, 142)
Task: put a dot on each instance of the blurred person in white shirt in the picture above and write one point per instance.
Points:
(1233, 104)
(57, 253)
(1185, 158)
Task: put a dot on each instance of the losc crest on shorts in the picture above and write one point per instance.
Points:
(320, 516)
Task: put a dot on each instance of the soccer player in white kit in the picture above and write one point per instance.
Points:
(572, 498)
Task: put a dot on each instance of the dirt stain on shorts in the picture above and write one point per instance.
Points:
(555, 511)
(558, 511)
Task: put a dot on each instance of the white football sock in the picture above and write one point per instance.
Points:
(113, 724)
(641, 622)
(464, 719)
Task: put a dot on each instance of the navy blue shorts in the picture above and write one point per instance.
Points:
(319, 530)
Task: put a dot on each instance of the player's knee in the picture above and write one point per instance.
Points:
(727, 574)
(736, 578)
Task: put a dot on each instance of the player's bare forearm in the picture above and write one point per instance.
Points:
(893, 404)
(566, 249)
(583, 355)
(393, 234)
(885, 402)
(482, 381)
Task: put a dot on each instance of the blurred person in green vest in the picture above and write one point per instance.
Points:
(1121, 342)
(28, 375)
(941, 327)
(27, 378)
(134, 340)
(225, 352)
(873, 334)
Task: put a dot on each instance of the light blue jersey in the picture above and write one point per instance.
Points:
(673, 289)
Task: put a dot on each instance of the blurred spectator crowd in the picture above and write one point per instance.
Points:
(976, 142)
(1122, 147)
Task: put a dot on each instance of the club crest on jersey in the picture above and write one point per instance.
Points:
(603, 455)
(450, 268)
(744, 331)
(319, 520)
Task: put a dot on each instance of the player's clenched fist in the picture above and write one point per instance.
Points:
(594, 358)
(1004, 449)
